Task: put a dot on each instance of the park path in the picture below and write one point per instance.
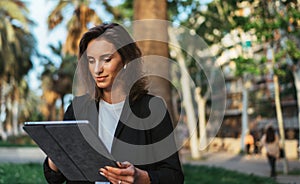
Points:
(256, 165)
(21, 155)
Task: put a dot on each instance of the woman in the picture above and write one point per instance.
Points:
(270, 141)
(112, 95)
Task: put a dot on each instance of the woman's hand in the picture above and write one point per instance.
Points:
(125, 174)
(52, 165)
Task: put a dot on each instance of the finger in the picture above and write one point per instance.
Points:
(116, 179)
(119, 164)
(126, 163)
(111, 176)
(118, 171)
(129, 170)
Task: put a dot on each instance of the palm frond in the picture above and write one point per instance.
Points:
(14, 11)
(56, 16)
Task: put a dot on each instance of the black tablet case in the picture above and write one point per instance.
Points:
(75, 148)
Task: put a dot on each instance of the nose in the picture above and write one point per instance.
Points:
(98, 67)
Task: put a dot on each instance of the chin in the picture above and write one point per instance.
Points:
(103, 86)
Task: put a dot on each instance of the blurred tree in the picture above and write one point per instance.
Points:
(152, 36)
(203, 22)
(57, 82)
(277, 27)
(17, 46)
(82, 15)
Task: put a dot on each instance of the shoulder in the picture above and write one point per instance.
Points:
(148, 104)
(147, 98)
(82, 99)
(79, 105)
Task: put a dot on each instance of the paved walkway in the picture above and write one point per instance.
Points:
(256, 165)
(21, 155)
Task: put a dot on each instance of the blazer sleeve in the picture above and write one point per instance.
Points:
(51, 176)
(168, 170)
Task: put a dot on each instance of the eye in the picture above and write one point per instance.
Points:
(107, 59)
(91, 60)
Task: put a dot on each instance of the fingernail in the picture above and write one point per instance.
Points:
(102, 173)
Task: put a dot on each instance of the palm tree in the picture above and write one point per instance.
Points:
(54, 89)
(57, 82)
(17, 45)
(77, 25)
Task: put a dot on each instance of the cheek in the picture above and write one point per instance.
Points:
(111, 68)
(91, 68)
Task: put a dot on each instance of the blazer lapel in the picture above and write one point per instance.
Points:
(123, 118)
(92, 114)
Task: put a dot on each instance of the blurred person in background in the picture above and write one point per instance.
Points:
(270, 141)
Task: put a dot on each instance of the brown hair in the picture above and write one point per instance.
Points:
(270, 134)
(128, 50)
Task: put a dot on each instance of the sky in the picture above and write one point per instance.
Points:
(39, 10)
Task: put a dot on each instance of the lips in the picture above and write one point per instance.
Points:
(101, 78)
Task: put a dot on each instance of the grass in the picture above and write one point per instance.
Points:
(212, 175)
(295, 172)
(18, 141)
(33, 173)
(21, 173)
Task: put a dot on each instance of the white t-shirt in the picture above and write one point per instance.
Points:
(109, 115)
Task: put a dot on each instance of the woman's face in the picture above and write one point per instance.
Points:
(104, 63)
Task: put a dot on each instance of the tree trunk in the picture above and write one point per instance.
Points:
(244, 116)
(202, 119)
(187, 100)
(62, 110)
(190, 111)
(2, 113)
(15, 112)
(152, 37)
(279, 113)
(296, 74)
(280, 121)
(15, 107)
(48, 108)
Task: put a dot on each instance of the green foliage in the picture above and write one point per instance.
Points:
(247, 65)
(212, 175)
(33, 173)
(21, 173)
(16, 42)
(18, 141)
(262, 106)
(293, 51)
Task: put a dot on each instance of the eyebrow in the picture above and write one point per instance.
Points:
(102, 56)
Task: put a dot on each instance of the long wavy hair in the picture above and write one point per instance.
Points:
(270, 134)
(128, 50)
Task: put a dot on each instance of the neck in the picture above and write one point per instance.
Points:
(113, 97)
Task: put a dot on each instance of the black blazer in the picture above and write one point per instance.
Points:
(166, 168)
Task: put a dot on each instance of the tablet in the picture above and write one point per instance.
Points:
(74, 147)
